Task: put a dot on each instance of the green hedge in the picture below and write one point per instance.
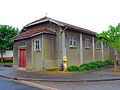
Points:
(50, 69)
(91, 65)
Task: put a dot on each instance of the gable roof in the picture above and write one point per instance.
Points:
(32, 33)
(60, 24)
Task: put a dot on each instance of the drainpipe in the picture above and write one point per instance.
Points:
(42, 53)
(63, 47)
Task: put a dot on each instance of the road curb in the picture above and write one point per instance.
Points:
(58, 80)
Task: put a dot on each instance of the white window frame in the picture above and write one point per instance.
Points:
(87, 43)
(21, 44)
(37, 45)
(73, 41)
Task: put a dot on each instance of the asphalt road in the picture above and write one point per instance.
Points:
(103, 85)
(6, 84)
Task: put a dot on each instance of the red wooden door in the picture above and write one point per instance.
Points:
(22, 58)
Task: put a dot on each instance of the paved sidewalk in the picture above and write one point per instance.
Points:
(96, 75)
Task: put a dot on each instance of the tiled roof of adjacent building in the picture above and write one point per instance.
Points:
(31, 33)
(61, 24)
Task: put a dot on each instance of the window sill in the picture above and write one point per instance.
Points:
(73, 46)
(37, 50)
(22, 46)
(97, 48)
(87, 47)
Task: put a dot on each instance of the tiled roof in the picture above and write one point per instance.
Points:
(61, 24)
(31, 33)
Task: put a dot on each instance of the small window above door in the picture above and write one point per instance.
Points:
(22, 44)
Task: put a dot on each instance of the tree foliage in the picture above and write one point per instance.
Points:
(112, 37)
(6, 33)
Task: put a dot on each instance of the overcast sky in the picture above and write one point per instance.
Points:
(95, 15)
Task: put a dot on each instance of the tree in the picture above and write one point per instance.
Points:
(6, 33)
(112, 38)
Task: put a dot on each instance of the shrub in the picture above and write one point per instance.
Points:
(50, 69)
(73, 68)
(83, 68)
(91, 65)
(110, 62)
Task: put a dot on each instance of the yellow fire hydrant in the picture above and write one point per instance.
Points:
(64, 63)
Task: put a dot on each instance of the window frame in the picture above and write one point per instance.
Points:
(87, 43)
(105, 46)
(73, 41)
(98, 46)
(21, 44)
(37, 45)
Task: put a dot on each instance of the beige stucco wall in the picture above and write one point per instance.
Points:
(51, 26)
(106, 54)
(73, 53)
(87, 52)
(55, 28)
(16, 49)
(98, 52)
(37, 63)
(49, 50)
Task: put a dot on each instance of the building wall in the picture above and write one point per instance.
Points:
(73, 53)
(112, 53)
(49, 50)
(49, 25)
(98, 52)
(57, 36)
(45, 58)
(87, 52)
(37, 63)
(16, 49)
(106, 54)
(28, 53)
